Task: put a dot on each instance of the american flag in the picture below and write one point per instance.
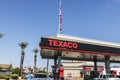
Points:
(60, 18)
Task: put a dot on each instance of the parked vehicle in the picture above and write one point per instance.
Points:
(106, 77)
(41, 76)
(50, 77)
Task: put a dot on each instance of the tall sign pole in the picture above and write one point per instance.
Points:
(60, 18)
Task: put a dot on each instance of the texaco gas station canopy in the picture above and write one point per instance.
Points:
(76, 48)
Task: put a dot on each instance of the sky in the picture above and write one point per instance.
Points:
(29, 20)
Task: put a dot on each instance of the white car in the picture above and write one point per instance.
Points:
(106, 77)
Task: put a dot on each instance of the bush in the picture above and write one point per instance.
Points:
(41, 71)
(6, 77)
(14, 76)
(1, 77)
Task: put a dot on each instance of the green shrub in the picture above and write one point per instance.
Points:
(1, 77)
(14, 76)
(6, 77)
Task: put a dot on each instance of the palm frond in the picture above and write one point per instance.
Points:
(1, 35)
(23, 45)
(35, 50)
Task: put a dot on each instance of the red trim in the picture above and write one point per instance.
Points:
(100, 69)
(92, 68)
(84, 51)
(88, 68)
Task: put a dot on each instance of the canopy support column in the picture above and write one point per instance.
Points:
(59, 61)
(95, 64)
(55, 68)
(107, 64)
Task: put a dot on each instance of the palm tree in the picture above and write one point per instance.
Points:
(35, 58)
(23, 45)
(1, 35)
